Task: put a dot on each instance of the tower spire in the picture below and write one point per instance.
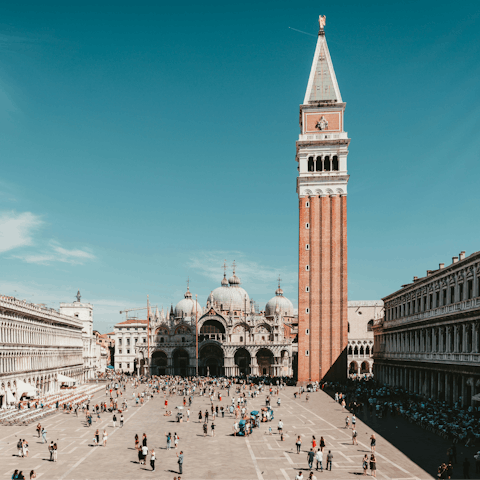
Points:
(322, 83)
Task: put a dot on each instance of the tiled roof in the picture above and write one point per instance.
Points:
(133, 321)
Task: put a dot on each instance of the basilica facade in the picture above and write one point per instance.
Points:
(234, 338)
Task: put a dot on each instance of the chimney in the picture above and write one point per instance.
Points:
(462, 255)
(415, 279)
(454, 259)
(429, 273)
(441, 265)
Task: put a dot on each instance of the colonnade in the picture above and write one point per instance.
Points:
(433, 383)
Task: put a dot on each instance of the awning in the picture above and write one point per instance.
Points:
(10, 397)
(64, 379)
(25, 388)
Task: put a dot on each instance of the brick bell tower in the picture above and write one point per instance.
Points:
(322, 150)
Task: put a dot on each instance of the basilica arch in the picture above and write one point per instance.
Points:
(243, 361)
(159, 362)
(211, 360)
(265, 360)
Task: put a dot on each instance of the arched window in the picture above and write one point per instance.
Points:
(335, 163)
(318, 167)
(183, 339)
(310, 164)
(350, 350)
(162, 340)
(348, 327)
(367, 350)
(370, 326)
(355, 350)
(362, 352)
(326, 164)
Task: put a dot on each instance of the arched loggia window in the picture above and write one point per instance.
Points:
(318, 166)
(326, 164)
(335, 163)
(311, 166)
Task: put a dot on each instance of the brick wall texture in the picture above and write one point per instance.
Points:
(323, 329)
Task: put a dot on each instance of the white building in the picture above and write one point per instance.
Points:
(128, 335)
(361, 317)
(91, 354)
(38, 346)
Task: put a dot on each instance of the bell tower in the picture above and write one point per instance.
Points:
(321, 153)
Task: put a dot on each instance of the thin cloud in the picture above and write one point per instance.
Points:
(16, 229)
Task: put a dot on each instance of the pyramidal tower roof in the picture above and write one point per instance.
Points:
(322, 83)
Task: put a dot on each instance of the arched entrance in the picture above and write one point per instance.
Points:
(364, 368)
(212, 330)
(159, 363)
(242, 361)
(211, 361)
(181, 360)
(353, 368)
(265, 361)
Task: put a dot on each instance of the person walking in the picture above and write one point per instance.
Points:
(39, 430)
(319, 459)
(169, 440)
(314, 442)
(213, 429)
(44, 435)
(347, 421)
(105, 438)
(373, 442)
(55, 452)
(354, 420)
(310, 458)
(298, 443)
(33, 474)
(354, 437)
(144, 440)
(97, 437)
(176, 438)
(144, 454)
(205, 429)
(329, 460)
(114, 420)
(180, 463)
(322, 444)
(152, 459)
(50, 450)
(121, 420)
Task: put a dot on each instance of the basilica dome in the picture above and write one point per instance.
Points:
(186, 307)
(230, 296)
(284, 305)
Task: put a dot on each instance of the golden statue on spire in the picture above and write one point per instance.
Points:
(322, 20)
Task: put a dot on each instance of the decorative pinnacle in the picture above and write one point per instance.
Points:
(78, 296)
(279, 280)
(225, 268)
(234, 265)
(188, 284)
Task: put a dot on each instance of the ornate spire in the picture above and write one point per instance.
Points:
(279, 291)
(322, 83)
(78, 296)
(187, 293)
(224, 282)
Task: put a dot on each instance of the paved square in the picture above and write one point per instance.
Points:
(260, 456)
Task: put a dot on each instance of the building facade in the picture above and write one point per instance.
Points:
(91, 353)
(36, 345)
(233, 338)
(322, 150)
(361, 317)
(428, 341)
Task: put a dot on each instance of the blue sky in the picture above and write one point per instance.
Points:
(143, 143)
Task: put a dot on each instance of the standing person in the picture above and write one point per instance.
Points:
(373, 465)
(373, 442)
(105, 437)
(97, 437)
(144, 454)
(347, 421)
(137, 441)
(188, 414)
(365, 464)
(354, 420)
(298, 443)
(280, 427)
(55, 452)
(314, 443)
(310, 458)
(114, 420)
(121, 420)
(19, 448)
(169, 440)
(329, 460)
(44, 435)
(319, 459)
(354, 437)
(322, 444)
(200, 415)
(176, 438)
(39, 430)
(180, 463)
(152, 459)
(213, 429)
(466, 468)
(144, 440)
(299, 476)
(33, 474)
(50, 450)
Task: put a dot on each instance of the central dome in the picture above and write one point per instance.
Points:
(230, 296)
(279, 304)
(186, 307)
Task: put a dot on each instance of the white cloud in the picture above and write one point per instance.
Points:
(257, 276)
(56, 253)
(16, 229)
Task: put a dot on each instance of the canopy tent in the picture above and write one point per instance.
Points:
(64, 379)
(10, 397)
(111, 367)
(25, 388)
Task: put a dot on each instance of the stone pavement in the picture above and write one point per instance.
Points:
(258, 457)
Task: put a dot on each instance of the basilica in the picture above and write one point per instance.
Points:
(234, 337)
